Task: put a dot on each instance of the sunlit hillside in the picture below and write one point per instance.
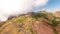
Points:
(32, 23)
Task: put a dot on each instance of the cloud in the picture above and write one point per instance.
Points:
(17, 7)
(41, 2)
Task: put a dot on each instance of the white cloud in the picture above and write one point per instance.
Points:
(16, 7)
(41, 2)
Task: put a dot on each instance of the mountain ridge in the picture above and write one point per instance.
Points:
(31, 23)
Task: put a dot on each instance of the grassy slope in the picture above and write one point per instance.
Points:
(29, 24)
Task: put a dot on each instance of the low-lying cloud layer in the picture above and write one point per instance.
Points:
(17, 7)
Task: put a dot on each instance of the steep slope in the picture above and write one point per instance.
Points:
(31, 23)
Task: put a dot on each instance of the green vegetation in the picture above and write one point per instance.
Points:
(45, 16)
(55, 30)
(31, 29)
(23, 23)
(54, 23)
(38, 15)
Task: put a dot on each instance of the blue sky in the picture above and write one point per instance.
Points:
(51, 5)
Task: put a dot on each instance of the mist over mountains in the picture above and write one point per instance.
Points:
(16, 7)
